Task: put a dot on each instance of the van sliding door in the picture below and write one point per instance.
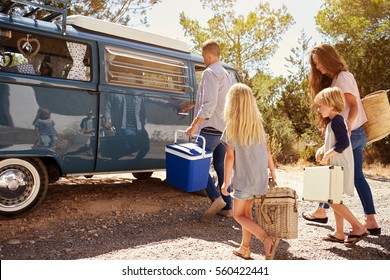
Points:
(140, 102)
(45, 94)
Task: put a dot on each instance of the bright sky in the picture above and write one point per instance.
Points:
(164, 20)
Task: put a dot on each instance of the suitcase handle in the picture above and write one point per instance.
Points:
(204, 140)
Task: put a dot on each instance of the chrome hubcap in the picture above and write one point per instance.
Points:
(12, 179)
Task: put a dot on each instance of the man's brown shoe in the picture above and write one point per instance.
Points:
(226, 213)
(216, 206)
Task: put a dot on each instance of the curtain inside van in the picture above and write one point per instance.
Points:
(77, 52)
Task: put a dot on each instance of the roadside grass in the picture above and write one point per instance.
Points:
(377, 170)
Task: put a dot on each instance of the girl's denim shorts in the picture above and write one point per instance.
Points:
(241, 195)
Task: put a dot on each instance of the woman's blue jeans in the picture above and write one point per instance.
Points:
(213, 142)
(358, 141)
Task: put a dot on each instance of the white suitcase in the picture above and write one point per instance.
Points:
(323, 184)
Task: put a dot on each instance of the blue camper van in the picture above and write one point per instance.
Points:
(81, 96)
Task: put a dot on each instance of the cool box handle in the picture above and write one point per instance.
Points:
(204, 140)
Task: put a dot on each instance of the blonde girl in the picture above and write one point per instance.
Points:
(337, 150)
(248, 155)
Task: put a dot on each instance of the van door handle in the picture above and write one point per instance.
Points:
(183, 114)
(93, 92)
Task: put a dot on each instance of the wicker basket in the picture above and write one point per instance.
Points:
(277, 212)
(377, 108)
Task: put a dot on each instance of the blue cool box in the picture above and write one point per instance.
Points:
(186, 167)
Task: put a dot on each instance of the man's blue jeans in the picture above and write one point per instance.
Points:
(213, 142)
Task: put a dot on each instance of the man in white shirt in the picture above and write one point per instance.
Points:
(208, 121)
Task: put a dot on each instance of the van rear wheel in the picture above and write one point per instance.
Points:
(23, 185)
(142, 175)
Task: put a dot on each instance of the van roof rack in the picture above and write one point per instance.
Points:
(56, 8)
(52, 11)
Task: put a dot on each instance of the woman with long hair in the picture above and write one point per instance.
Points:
(329, 69)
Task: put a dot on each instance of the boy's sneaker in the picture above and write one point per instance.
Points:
(215, 207)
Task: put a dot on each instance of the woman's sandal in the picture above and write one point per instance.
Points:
(274, 245)
(355, 238)
(246, 255)
(374, 231)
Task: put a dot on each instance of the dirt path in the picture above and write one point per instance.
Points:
(118, 217)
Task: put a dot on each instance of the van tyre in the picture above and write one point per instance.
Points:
(142, 175)
(23, 185)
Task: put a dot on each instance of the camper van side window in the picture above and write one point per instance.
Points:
(199, 68)
(233, 76)
(38, 55)
(135, 69)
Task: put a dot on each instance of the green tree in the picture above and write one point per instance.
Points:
(289, 117)
(296, 102)
(246, 42)
(360, 30)
(296, 94)
(281, 135)
(118, 11)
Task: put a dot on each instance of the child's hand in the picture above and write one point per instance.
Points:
(224, 189)
(319, 154)
(324, 160)
(272, 175)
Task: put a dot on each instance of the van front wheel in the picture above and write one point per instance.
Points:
(142, 175)
(23, 185)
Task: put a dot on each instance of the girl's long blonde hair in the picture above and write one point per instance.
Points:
(244, 123)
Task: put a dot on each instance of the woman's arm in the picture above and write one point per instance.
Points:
(351, 101)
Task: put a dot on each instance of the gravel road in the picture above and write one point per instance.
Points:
(116, 217)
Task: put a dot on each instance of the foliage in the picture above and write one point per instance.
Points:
(281, 135)
(310, 141)
(289, 118)
(351, 20)
(360, 30)
(296, 94)
(296, 102)
(118, 11)
(246, 42)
